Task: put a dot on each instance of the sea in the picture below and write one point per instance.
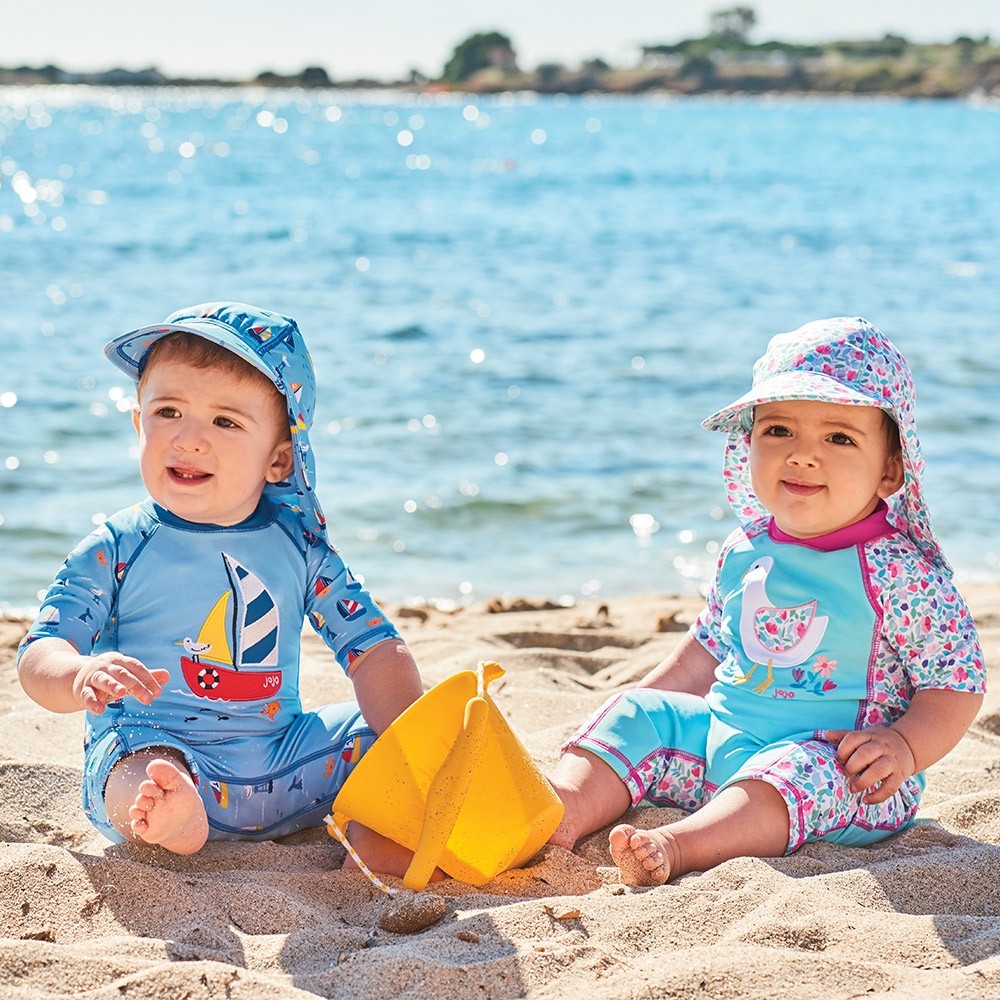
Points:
(520, 308)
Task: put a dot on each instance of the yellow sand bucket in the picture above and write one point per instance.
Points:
(450, 781)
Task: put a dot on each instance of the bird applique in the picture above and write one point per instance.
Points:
(193, 648)
(778, 637)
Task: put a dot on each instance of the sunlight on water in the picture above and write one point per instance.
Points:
(519, 308)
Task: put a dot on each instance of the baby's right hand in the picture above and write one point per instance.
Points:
(111, 676)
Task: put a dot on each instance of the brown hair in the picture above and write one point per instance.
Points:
(891, 431)
(201, 353)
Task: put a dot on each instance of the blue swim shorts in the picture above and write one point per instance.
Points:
(254, 788)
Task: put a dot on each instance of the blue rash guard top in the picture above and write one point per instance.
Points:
(221, 608)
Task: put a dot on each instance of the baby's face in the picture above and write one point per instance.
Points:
(208, 442)
(818, 467)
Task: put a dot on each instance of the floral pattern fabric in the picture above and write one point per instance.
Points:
(865, 618)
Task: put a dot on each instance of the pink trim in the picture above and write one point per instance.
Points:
(875, 525)
(641, 791)
(795, 802)
(611, 752)
(633, 772)
(594, 721)
(873, 656)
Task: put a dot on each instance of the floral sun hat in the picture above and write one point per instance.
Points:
(840, 360)
(273, 345)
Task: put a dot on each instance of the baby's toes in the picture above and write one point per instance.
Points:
(141, 806)
(143, 803)
(620, 841)
(621, 837)
(653, 861)
(643, 848)
(150, 790)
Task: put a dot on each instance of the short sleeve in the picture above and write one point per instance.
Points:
(931, 629)
(339, 608)
(708, 627)
(78, 605)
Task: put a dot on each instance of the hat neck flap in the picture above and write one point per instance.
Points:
(271, 343)
(855, 359)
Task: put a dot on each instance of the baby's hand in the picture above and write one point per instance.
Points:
(110, 676)
(874, 756)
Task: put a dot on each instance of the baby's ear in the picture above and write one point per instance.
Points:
(282, 463)
(136, 413)
(892, 478)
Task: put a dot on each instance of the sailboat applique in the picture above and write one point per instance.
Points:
(242, 669)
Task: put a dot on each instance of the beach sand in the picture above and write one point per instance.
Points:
(917, 916)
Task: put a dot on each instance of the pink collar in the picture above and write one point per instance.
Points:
(874, 525)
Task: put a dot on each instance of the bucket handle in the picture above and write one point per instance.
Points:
(446, 795)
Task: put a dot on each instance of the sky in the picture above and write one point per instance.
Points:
(237, 39)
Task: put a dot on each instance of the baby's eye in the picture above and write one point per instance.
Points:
(839, 437)
(169, 412)
(225, 422)
(777, 430)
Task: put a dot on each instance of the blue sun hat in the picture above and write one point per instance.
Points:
(841, 360)
(273, 345)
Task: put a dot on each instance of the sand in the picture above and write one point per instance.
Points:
(917, 916)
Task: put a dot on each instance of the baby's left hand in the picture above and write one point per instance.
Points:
(873, 755)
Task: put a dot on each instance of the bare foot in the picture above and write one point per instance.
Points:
(644, 857)
(168, 809)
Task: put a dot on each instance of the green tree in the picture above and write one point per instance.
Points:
(315, 76)
(477, 52)
(733, 24)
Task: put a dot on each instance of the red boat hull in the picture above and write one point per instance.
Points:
(209, 680)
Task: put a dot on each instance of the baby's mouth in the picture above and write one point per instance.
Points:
(801, 489)
(187, 475)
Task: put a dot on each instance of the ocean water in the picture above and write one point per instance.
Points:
(519, 308)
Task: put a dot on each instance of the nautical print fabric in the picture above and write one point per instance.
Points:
(253, 787)
(270, 343)
(221, 608)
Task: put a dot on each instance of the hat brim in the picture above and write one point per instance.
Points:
(129, 351)
(805, 385)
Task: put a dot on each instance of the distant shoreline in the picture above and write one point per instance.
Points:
(709, 66)
(369, 86)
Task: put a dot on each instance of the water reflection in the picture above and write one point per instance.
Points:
(519, 309)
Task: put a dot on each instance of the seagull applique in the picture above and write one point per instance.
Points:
(193, 648)
(778, 637)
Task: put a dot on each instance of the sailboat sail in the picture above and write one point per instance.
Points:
(256, 618)
(213, 633)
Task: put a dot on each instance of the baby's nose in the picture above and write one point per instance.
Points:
(189, 437)
(802, 454)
